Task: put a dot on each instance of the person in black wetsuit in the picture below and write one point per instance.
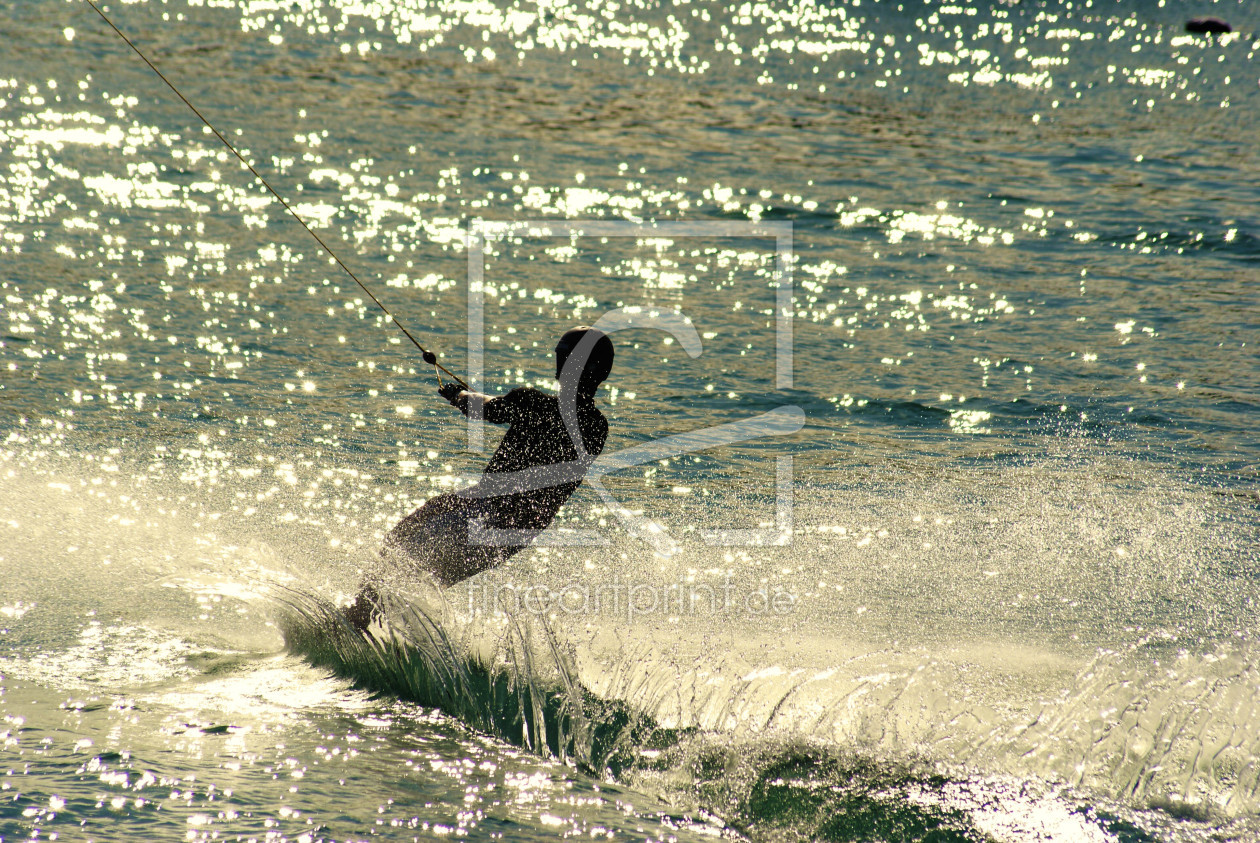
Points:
(550, 442)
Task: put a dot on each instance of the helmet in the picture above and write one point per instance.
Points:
(593, 350)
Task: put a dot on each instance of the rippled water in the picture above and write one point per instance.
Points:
(1002, 260)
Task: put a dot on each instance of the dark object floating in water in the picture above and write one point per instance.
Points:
(1208, 25)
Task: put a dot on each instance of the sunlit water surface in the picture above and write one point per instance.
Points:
(987, 570)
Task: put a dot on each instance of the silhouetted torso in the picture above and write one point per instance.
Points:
(532, 473)
(536, 466)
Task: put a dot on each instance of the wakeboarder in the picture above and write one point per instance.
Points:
(550, 442)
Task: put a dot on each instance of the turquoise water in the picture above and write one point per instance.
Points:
(954, 307)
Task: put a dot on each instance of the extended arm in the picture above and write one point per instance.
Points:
(476, 405)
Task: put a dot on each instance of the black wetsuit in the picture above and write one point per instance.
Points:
(532, 473)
